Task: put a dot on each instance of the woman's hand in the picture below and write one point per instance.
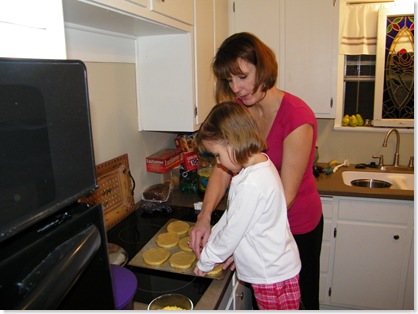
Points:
(218, 182)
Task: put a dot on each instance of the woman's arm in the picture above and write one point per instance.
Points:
(217, 185)
(297, 148)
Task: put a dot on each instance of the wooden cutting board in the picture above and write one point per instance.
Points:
(115, 190)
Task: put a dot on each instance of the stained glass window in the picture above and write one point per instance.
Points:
(398, 88)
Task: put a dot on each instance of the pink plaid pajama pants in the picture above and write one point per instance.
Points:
(283, 295)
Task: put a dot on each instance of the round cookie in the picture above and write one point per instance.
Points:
(167, 239)
(184, 244)
(216, 270)
(178, 226)
(182, 259)
(155, 256)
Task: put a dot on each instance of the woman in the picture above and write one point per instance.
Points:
(256, 212)
(246, 71)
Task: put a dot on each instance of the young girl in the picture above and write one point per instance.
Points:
(254, 229)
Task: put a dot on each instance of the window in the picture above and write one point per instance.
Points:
(359, 83)
(394, 94)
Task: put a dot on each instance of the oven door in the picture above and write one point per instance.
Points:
(60, 263)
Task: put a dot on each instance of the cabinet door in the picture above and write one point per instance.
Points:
(142, 3)
(181, 10)
(204, 53)
(165, 83)
(328, 210)
(242, 296)
(259, 17)
(371, 254)
(308, 61)
(32, 29)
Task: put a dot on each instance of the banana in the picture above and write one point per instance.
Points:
(333, 162)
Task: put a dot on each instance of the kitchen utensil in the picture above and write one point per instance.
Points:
(346, 163)
(171, 300)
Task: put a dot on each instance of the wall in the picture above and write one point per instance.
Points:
(358, 147)
(112, 92)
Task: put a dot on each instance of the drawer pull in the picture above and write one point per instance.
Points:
(241, 295)
(396, 237)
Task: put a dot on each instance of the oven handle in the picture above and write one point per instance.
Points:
(48, 283)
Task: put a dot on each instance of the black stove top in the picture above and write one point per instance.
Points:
(136, 230)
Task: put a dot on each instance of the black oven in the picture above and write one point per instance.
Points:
(53, 251)
(58, 263)
(136, 230)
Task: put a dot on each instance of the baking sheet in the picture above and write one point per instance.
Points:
(138, 261)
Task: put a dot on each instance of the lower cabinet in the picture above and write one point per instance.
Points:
(369, 255)
(237, 296)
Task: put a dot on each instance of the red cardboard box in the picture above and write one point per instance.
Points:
(164, 160)
(190, 161)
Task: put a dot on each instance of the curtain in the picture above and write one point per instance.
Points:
(359, 32)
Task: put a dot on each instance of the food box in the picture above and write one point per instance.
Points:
(187, 143)
(190, 161)
(164, 160)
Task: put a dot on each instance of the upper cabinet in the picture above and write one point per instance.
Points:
(304, 36)
(308, 59)
(174, 72)
(32, 29)
(181, 10)
(172, 43)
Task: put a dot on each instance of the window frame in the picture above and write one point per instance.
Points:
(380, 70)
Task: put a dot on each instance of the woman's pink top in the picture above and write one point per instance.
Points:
(306, 211)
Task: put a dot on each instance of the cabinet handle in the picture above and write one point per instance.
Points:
(396, 237)
(241, 295)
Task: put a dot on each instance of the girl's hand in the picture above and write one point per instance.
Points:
(229, 263)
(198, 272)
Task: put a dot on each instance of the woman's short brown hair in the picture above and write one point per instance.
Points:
(231, 123)
(250, 48)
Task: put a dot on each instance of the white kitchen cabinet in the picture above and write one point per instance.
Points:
(181, 10)
(308, 58)
(143, 3)
(32, 29)
(237, 296)
(304, 36)
(372, 252)
(173, 59)
(329, 213)
(176, 94)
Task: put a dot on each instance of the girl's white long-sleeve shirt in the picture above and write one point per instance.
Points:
(254, 229)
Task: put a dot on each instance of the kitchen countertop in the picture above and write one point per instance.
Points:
(327, 185)
(333, 185)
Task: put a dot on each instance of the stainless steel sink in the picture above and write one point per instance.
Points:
(371, 183)
(398, 180)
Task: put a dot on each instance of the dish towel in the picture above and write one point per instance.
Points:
(359, 32)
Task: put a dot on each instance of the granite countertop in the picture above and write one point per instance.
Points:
(327, 185)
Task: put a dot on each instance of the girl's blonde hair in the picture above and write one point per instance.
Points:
(247, 47)
(231, 123)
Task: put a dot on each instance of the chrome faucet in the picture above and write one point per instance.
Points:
(398, 141)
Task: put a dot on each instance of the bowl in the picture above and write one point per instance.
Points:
(174, 301)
